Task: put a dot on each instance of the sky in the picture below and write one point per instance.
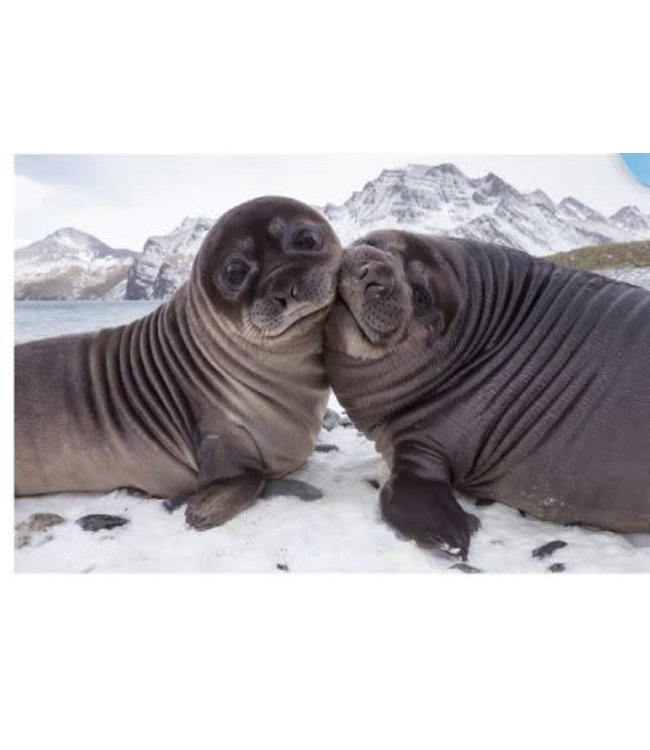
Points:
(124, 199)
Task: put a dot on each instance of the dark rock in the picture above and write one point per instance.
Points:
(35, 523)
(174, 503)
(465, 568)
(482, 501)
(331, 420)
(292, 487)
(98, 521)
(282, 566)
(326, 448)
(135, 492)
(548, 549)
(374, 483)
(522, 513)
(474, 523)
(556, 568)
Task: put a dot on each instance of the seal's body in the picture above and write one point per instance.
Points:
(212, 393)
(504, 376)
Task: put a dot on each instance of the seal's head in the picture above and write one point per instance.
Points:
(396, 290)
(268, 268)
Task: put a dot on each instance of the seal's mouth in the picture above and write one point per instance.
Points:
(300, 307)
(298, 316)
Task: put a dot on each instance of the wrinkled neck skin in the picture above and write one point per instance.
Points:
(203, 371)
(389, 396)
(287, 370)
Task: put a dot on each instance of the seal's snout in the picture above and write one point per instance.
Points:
(377, 279)
(284, 294)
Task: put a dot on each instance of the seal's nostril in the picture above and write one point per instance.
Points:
(374, 289)
(282, 301)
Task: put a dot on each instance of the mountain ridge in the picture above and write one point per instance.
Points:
(69, 264)
(438, 199)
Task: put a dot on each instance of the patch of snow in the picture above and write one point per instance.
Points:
(636, 276)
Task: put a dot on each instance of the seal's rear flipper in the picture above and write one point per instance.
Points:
(427, 511)
(220, 501)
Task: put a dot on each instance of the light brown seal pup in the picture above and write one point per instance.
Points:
(480, 368)
(217, 390)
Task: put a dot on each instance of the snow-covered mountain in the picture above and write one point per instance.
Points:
(165, 261)
(70, 264)
(443, 200)
(631, 219)
(437, 199)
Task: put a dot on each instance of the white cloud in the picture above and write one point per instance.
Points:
(30, 195)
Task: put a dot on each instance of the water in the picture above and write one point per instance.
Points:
(38, 320)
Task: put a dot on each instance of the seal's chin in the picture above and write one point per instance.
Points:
(377, 330)
(346, 333)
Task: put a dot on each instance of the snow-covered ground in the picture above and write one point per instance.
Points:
(638, 276)
(341, 531)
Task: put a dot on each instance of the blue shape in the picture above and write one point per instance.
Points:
(638, 165)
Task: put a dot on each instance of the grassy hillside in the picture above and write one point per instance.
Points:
(619, 255)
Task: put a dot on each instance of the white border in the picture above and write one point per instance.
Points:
(320, 661)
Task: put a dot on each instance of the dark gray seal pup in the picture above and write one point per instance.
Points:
(480, 368)
(215, 391)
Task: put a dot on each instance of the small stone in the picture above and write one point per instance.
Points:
(331, 420)
(473, 522)
(293, 488)
(548, 549)
(326, 448)
(556, 568)
(35, 523)
(465, 568)
(98, 521)
(483, 501)
(374, 483)
(136, 492)
(283, 566)
(174, 503)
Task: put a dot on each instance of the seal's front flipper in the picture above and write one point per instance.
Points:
(427, 511)
(230, 477)
(220, 501)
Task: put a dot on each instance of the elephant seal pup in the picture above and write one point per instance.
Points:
(215, 391)
(480, 368)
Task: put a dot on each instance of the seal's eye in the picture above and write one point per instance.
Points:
(306, 239)
(236, 272)
(422, 299)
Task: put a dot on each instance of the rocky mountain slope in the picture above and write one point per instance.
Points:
(438, 199)
(165, 261)
(443, 200)
(70, 264)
